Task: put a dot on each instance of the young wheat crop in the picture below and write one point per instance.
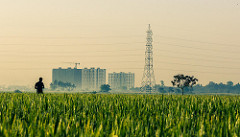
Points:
(118, 115)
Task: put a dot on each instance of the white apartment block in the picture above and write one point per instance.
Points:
(121, 80)
(92, 78)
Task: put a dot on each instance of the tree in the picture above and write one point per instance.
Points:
(161, 90)
(105, 88)
(162, 83)
(53, 86)
(170, 89)
(177, 90)
(69, 86)
(17, 91)
(230, 83)
(62, 85)
(124, 88)
(182, 81)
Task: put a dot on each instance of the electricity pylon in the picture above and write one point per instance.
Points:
(148, 79)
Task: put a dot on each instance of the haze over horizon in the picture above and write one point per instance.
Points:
(199, 38)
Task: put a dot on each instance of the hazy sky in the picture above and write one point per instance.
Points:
(195, 37)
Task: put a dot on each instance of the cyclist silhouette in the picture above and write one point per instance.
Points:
(39, 86)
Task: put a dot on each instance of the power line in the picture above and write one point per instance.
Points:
(109, 68)
(204, 55)
(169, 69)
(74, 37)
(130, 55)
(215, 50)
(203, 42)
(174, 45)
(84, 37)
(122, 55)
(200, 59)
(195, 65)
(67, 45)
(161, 36)
(199, 71)
(206, 66)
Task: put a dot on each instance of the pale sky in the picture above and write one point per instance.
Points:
(194, 37)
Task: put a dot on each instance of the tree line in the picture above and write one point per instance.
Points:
(181, 84)
(59, 85)
(188, 84)
(213, 87)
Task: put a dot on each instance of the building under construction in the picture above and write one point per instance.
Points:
(85, 79)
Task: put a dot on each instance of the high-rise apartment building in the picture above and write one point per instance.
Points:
(93, 78)
(87, 79)
(121, 80)
(68, 75)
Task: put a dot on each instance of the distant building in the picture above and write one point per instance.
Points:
(89, 79)
(93, 78)
(70, 75)
(121, 80)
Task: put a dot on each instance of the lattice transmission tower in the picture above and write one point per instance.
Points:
(148, 79)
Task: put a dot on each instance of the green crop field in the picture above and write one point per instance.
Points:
(118, 115)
